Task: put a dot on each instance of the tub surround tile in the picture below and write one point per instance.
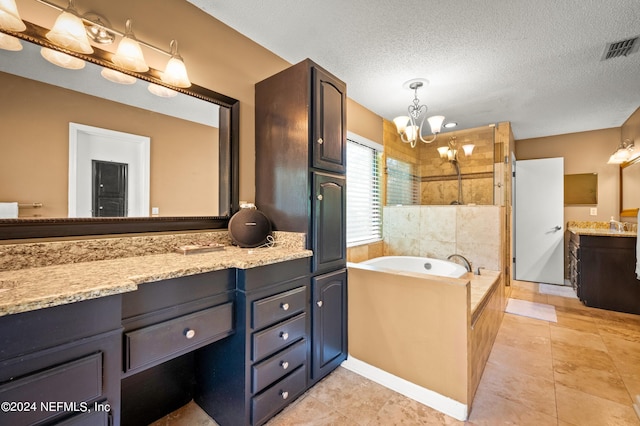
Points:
(40, 287)
(439, 223)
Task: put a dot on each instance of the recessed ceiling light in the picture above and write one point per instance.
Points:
(450, 125)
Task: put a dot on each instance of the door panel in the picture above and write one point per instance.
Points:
(329, 126)
(539, 217)
(329, 201)
(329, 316)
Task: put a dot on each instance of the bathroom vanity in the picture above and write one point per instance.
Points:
(602, 269)
(126, 341)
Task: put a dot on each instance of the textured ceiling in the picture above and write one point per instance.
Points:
(535, 64)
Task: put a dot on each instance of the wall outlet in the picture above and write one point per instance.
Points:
(593, 211)
(155, 210)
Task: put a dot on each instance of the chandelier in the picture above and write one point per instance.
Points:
(410, 127)
(450, 152)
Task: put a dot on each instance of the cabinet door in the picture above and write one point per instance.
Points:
(329, 122)
(329, 200)
(329, 322)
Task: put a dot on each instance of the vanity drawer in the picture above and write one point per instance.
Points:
(280, 364)
(76, 382)
(275, 308)
(277, 337)
(276, 397)
(171, 338)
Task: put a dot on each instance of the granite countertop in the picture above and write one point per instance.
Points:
(601, 232)
(41, 287)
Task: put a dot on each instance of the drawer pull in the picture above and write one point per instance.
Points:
(284, 306)
(284, 335)
(189, 333)
(284, 394)
(319, 303)
(320, 197)
(284, 365)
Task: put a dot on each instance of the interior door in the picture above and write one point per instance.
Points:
(539, 220)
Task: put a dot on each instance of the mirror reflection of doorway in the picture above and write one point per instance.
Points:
(109, 183)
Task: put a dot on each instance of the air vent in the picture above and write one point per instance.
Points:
(621, 48)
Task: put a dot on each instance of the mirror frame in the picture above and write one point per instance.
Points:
(11, 229)
(632, 212)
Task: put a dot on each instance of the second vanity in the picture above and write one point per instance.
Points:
(128, 340)
(602, 268)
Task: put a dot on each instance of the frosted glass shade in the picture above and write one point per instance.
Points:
(401, 123)
(468, 149)
(443, 151)
(163, 92)
(175, 73)
(69, 32)
(117, 76)
(411, 132)
(129, 55)
(435, 122)
(8, 42)
(9, 16)
(62, 59)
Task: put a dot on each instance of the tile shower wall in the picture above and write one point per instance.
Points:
(439, 231)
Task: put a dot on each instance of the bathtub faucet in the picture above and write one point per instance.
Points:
(467, 264)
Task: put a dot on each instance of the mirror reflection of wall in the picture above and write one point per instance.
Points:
(630, 185)
(438, 178)
(35, 149)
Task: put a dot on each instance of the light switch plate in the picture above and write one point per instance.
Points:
(155, 210)
(593, 211)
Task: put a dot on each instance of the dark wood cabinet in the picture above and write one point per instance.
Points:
(301, 187)
(61, 365)
(249, 377)
(602, 270)
(329, 202)
(329, 314)
(165, 323)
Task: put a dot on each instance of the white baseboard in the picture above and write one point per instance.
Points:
(446, 405)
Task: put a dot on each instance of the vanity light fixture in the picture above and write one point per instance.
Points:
(410, 127)
(9, 16)
(129, 54)
(8, 42)
(623, 153)
(69, 32)
(175, 72)
(73, 34)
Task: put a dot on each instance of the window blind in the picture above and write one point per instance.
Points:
(364, 211)
(402, 184)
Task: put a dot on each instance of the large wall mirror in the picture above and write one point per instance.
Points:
(630, 187)
(64, 130)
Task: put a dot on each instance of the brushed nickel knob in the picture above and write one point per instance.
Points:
(284, 365)
(319, 197)
(284, 335)
(284, 306)
(189, 333)
(319, 303)
(320, 141)
(284, 394)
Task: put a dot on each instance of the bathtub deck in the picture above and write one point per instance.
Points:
(480, 286)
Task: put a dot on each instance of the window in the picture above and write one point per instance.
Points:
(364, 211)
(402, 184)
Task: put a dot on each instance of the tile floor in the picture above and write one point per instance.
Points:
(582, 370)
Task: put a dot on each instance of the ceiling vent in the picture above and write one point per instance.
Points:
(621, 48)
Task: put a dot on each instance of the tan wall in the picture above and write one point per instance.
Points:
(414, 328)
(35, 158)
(584, 152)
(631, 129)
(363, 122)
